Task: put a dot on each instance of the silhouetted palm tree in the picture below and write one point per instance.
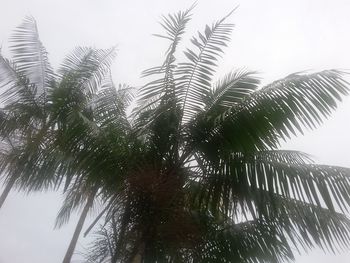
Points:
(195, 173)
(207, 182)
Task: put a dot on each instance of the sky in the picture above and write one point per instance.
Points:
(273, 37)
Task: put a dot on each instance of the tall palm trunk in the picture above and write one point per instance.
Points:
(7, 189)
(79, 227)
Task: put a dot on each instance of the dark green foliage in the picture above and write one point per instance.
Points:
(194, 173)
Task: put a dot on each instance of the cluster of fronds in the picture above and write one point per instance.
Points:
(194, 174)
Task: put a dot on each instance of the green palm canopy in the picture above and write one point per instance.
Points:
(194, 173)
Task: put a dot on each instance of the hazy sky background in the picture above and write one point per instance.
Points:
(273, 37)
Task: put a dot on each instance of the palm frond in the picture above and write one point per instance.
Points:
(85, 69)
(280, 110)
(21, 111)
(74, 198)
(30, 56)
(162, 89)
(306, 225)
(174, 25)
(231, 90)
(9, 77)
(110, 104)
(14, 86)
(251, 241)
(225, 183)
(194, 77)
(102, 249)
(292, 226)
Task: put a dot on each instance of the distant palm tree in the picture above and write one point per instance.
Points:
(194, 174)
(24, 83)
(40, 111)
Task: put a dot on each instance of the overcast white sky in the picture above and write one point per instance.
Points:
(273, 37)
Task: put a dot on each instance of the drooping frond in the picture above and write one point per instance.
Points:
(251, 241)
(75, 196)
(230, 91)
(293, 226)
(14, 86)
(282, 188)
(306, 225)
(224, 183)
(279, 110)
(9, 77)
(31, 165)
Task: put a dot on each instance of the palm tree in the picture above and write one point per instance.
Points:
(205, 180)
(80, 134)
(82, 80)
(42, 110)
(24, 83)
(195, 173)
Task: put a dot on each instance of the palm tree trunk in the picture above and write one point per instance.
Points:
(7, 189)
(79, 227)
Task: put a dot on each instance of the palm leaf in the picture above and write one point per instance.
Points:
(231, 90)
(280, 109)
(74, 198)
(224, 184)
(194, 77)
(292, 226)
(85, 69)
(251, 241)
(162, 89)
(30, 56)
(110, 104)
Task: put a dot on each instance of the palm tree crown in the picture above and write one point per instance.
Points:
(194, 173)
